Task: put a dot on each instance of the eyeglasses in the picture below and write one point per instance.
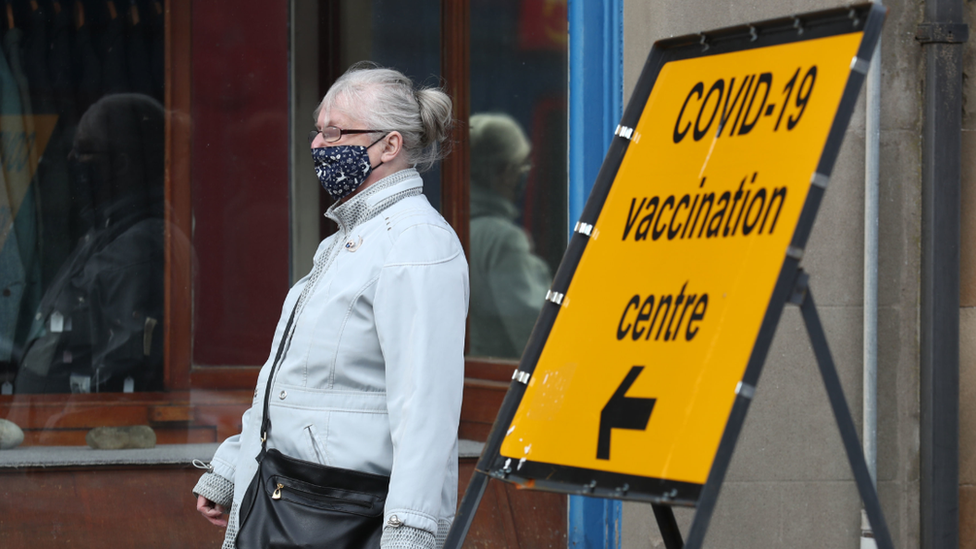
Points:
(331, 134)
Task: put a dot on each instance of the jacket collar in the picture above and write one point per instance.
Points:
(376, 198)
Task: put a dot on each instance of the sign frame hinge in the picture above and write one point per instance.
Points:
(624, 131)
(745, 389)
(860, 64)
(521, 377)
(555, 297)
(820, 180)
(583, 228)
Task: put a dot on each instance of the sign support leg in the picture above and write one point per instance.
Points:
(668, 526)
(842, 414)
(469, 506)
(709, 493)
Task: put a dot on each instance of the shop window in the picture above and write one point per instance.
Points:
(190, 117)
(517, 140)
(82, 217)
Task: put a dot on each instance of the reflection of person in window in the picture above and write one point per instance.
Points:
(508, 281)
(100, 321)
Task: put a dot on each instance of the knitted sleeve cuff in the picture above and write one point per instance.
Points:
(215, 488)
(406, 537)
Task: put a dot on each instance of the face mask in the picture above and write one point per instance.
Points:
(343, 168)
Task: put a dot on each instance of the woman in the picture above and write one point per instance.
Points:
(372, 375)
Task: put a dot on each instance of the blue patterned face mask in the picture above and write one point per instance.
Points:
(343, 168)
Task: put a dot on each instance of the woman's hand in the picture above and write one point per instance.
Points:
(216, 514)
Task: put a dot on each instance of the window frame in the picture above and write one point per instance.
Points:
(201, 397)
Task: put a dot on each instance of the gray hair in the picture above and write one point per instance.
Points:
(386, 99)
(497, 144)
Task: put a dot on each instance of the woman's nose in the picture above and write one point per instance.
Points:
(318, 142)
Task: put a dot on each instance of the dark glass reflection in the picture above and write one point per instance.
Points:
(99, 323)
(69, 197)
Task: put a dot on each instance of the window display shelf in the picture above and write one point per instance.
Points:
(83, 456)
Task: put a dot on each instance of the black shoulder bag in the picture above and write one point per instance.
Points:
(294, 503)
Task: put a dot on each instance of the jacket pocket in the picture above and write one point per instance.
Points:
(361, 441)
(315, 446)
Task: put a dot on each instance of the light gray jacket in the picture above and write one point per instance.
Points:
(373, 375)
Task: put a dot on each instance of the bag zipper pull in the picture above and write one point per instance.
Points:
(277, 492)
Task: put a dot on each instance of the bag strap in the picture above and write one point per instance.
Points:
(285, 341)
(265, 416)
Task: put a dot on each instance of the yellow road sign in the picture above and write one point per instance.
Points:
(653, 335)
(639, 372)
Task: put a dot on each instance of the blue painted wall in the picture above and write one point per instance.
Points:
(595, 91)
(595, 108)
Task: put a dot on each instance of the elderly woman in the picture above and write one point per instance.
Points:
(371, 373)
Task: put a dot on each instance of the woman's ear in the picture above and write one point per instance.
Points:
(392, 145)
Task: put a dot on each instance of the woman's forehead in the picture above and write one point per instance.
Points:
(338, 114)
(333, 117)
(337, 118)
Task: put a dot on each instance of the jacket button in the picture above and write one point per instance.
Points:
(283, 395)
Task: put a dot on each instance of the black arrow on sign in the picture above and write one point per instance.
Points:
(623, 413)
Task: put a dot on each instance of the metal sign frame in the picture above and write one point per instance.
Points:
(790, 286)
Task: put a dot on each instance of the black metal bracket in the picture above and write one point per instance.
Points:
(467, 508)
(668, 526)
(842, 414)
(800, 286)
(942, 33)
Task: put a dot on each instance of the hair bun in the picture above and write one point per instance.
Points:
(435, 115)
